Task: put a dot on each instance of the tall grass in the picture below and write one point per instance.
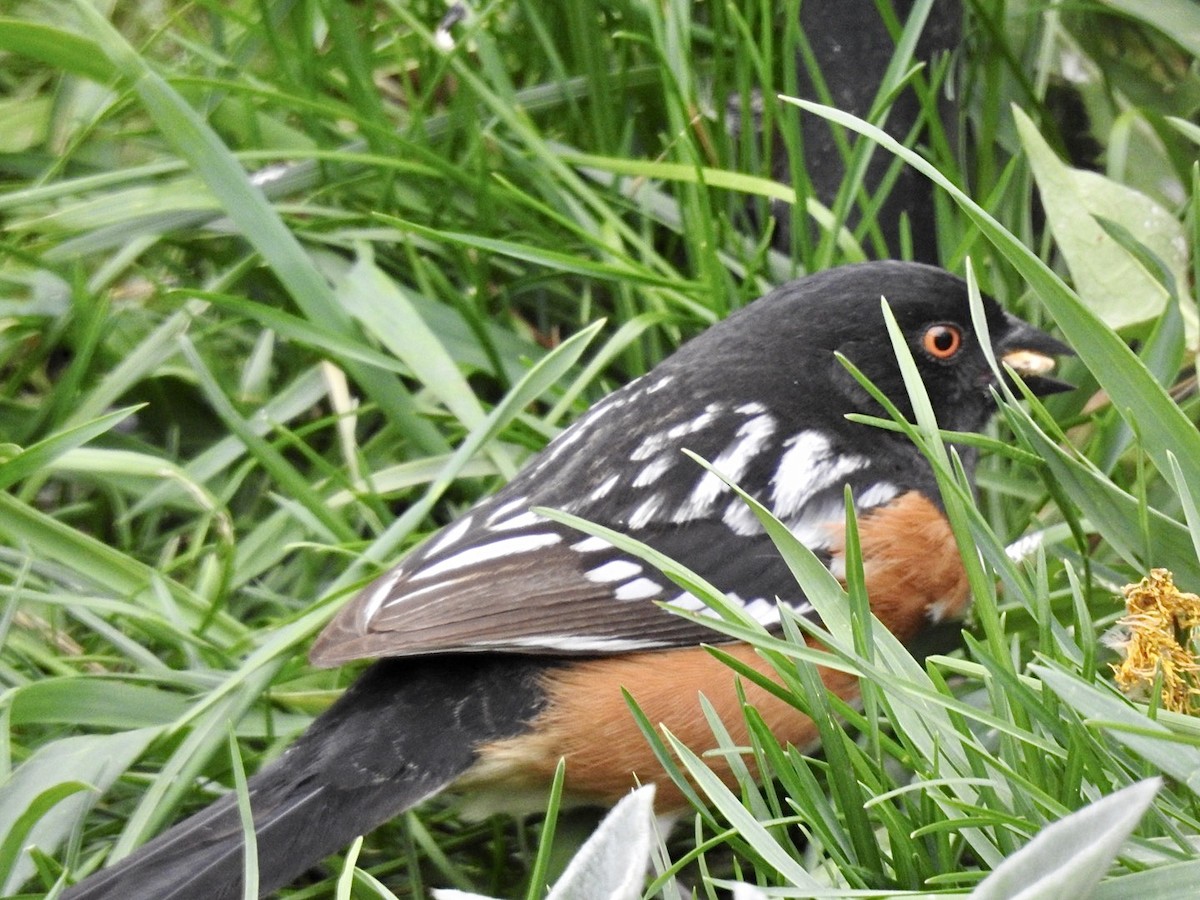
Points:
(287, 286)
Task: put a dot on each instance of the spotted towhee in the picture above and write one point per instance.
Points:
(507, 638)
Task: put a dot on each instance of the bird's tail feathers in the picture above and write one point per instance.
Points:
(404, 731)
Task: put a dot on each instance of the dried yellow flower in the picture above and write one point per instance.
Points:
(1160, 620)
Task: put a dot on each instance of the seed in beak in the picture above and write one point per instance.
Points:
(1029, 362)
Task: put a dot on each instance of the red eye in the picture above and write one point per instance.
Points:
(942, 341)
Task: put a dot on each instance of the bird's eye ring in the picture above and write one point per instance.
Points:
(942, 341)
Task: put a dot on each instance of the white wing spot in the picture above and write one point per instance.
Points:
(763, 611)
(653, 471)
(654, 443)
(699, 423)
(938, 610)
(876, 495)
(689, 602)
(803, 608)
(441, 586)
(506, 509)
(572, 644)
(604, 488)
(269, 173)
(732, 462)
(616, 570)
(638, 589)
(807, 467)
(514, 546)
(378, 596)
(812, 526)
(591, 545)
(750, 409)
(649, 446)
(583, 426)
(1024, 547)
(692, 603)
(660, 384)
(449, 536)
(522, 521)
(645, 513)
(740, 519)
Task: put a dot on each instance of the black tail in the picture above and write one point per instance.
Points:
(402, 732)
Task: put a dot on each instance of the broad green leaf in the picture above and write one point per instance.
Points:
(115, 208)
(545, 852)
(386, 312)
(1174, 881)
(109, 702)
(1177, 19)
(24, 122)
(1190, 130)
(1108, 279)
(18, 839)
(753, 831)
(364, 881)
(1112, 511)
(94, 703)
(102, 565)
(45, 452)
(1069, 857)
(246, 814)
(57, 48)
(96, 760)
(613, 861)
(1125, 724)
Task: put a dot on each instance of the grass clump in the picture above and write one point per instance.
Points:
(286, 287)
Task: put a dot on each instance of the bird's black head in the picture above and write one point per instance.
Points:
(796, 330)
(932, 309)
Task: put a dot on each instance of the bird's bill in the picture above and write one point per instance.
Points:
(1031, 354)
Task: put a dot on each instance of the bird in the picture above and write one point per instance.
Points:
(502, 644)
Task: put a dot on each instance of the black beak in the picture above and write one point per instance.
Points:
(1030, 353)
